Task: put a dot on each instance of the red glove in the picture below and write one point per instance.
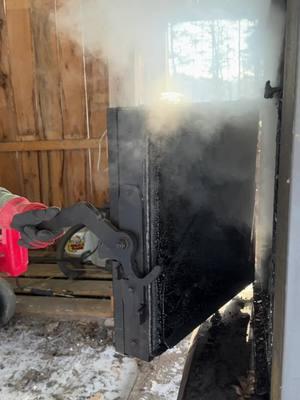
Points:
(25, 217)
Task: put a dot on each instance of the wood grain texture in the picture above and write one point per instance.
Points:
(8, 123)
(47, 68)
(72, 80)
(49, 97)
(53, 271)
(49, 145)
(63, 309)
(22, 66)
(45, 182)
(9, 176)
(75, 182)
(98, 100)
(56, 186)
(52, 91)
(97, 94)
(86, 288)
(97, 103)
(73, 91)
(23, 81)
(31, 175)
(99, 174)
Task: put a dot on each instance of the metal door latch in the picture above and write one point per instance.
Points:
(270, 91)
(116, 245)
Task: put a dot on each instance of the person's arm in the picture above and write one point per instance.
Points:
(5, 196)
(19, 213)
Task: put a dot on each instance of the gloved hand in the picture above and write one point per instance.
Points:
(25, 217)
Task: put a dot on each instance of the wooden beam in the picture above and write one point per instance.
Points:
(49, 145)
(63, 309)
(87, 288)
(53, 271)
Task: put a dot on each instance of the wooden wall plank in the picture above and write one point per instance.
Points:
(22, 63)
(74, 110)
(98, 98)
(45, 182)
(72, 81)
(50, 145)
(8, 125)
(31, 178)
(97, 102)
(75, 183)
(63, 309)
(99, 174)
(22, 68)
(9, 173)
(53, 271)
(97, 95)
(56, 160)
(85, 288)
(47, 68)
(9, 177)
(50, 90)
(49, 96)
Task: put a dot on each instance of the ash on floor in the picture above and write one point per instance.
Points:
(220, 362)
(77, 361)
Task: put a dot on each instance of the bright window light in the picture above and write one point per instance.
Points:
(214, 59)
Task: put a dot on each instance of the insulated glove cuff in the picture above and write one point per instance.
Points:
(17, 205)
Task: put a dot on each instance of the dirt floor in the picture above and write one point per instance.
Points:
(220, 367)
(77, 361)
(220, 364)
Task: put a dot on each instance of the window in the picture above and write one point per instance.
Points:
(213, 60)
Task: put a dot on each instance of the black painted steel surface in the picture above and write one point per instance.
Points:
(186, 192)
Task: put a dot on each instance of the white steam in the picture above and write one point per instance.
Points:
(193, 51)
(208, 51)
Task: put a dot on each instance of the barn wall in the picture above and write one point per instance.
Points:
(53, 96)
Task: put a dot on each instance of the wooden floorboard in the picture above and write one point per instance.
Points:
(53, 271)
(63, 308)
(42, 253)
(86, 288)
(88, 298)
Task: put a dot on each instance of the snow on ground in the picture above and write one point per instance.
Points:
(162, 377)
(62, 361)
(77, 361)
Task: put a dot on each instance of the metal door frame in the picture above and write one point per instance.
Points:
(285, 384)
